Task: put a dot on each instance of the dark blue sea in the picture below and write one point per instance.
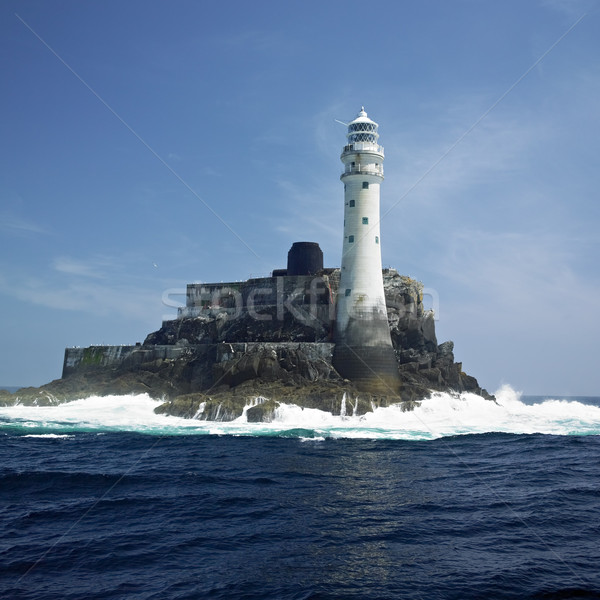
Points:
(102, 499)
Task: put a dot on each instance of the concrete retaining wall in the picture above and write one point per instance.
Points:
(104, 356)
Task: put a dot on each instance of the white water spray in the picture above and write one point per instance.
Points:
(440, 415)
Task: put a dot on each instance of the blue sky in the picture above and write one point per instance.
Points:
(151, 144)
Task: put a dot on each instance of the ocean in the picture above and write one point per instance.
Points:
(461, 498)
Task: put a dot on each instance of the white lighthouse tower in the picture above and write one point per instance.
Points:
(363, 348)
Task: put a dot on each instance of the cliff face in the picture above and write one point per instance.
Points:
(267, 339)
(302, 310)
(422, 362)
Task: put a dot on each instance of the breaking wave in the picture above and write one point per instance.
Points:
(441, 415)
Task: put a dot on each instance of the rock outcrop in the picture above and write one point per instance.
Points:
(228, 356)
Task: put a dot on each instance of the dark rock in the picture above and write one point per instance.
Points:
(185, 406)
(434, 376)
(263, 412)
(411, 367)
(214, 363)
(428, 331)
(221, 409)
(446, 349)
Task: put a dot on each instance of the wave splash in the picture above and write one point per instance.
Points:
(441, 415)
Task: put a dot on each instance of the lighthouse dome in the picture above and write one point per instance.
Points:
(362, 129)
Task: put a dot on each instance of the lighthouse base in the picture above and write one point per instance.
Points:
(371, 368)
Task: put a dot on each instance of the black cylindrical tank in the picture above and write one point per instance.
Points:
(304, 258)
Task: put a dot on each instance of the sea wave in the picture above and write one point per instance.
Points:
(441, 415)
(48, 435)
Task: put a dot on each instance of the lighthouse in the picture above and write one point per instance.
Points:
(363, 349)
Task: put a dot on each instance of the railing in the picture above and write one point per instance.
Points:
(366, 170)
(363, 147)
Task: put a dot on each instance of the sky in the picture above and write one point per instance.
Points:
(147, 145)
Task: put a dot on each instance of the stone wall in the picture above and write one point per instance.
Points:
(280, 309)
(77, 359)
(256, 295)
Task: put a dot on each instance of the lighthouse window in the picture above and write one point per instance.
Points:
(352, 203)
(350, 239)
(362, 137)
(365, 185)
(348, 291)
(377, 239)
(362, 127)
(365, 220)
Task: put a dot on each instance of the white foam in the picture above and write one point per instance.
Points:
(441, 415)
(106, 413)
(48, 435)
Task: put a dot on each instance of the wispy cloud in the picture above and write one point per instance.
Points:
(313, 212)
(71, 266)
(209, 171)
(20, 225)
(570, 8)
(519, 269)
(496, 148)
(97, 298)
(521, 292)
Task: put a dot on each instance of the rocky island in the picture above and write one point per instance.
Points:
(347, 339)
(245, 347)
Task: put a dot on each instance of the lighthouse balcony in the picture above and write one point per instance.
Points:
(363, 170)
(363, 147)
